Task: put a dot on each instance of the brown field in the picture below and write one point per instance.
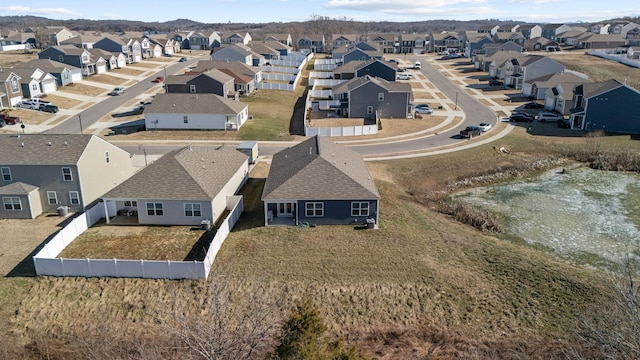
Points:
(82, 89)
(128, 71)
(13, 58)
(108, 79)
(598, 69)
(62, 102)
(32, 117)
(146, 65)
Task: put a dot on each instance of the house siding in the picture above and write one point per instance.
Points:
(378, 69)
(173, 212)
(394, 105)
(31, 206)
(336, 212)
(195, 121)
(613, 111)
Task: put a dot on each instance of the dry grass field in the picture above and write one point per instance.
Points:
(63, 102)
(598, 69)
(13, 58)
(82, 89)
(108, 79)
(128, 71)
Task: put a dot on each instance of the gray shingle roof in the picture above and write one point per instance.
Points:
(391, 86)
(196, 173)
(17, 188)
(42, 149)
(194, 104)
(45, 65)
(319, 169)
(235, 66)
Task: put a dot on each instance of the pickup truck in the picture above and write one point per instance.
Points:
(9, 120)
(471, 131)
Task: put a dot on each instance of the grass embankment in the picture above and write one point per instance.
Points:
(271, 111)
(420, 283)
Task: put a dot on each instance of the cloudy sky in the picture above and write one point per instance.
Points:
(260, 11)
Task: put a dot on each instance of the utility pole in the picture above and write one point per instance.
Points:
(141, 147)
(80, 120)
(456, 107)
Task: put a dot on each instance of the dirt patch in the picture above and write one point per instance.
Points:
(13, 58)
(128, 71)
(380, 171)
(146, 65)
(61, 101)
(82, 89)
(32, 117)
(108, 79)
(260, 170)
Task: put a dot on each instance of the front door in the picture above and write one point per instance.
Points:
(286, 209)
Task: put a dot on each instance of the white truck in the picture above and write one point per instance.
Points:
(417, 65)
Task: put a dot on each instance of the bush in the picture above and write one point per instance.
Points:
(480, 219)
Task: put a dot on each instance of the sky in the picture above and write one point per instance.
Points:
(263, 11)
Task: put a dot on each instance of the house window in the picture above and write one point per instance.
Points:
(15, 87)
(52, 197)
(359, 209)
(6, 173)
(369, 110)
(192, 88)
(131, 203)
(314, 209)
(34, 87)
(380, 96)
(12, 203)
(155, 209)
(74, 198)
(106, 157)
(66, 174)
(192, 210)
(85, 58)
(185, 119)
(61, 58)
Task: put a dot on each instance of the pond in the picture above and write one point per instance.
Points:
(583, 213)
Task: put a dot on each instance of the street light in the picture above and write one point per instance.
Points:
(141, 147)
(80, 120)
(456, 107)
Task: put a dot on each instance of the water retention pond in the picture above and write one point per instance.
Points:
(583, 214)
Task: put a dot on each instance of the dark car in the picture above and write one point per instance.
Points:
(48, 108)
(494, 82)
(533, 105)
(520, 118)
(471, 131)
(525, 114)
(159, 79)
(183, 59)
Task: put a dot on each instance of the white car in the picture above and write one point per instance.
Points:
(423, 109)
(484, 127)
(544, 116)
(404, 76)
(33, 103)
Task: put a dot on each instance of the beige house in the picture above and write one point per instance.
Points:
(40, 173)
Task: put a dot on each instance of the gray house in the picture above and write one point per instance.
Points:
(70, 55)
(234, 68)
(368, 97)
(64, 74)
(375, 68)
(610, 106)
(519, 70)
(311, 43)
(234, 52)
(43, 172)
(212, 81)
(319, 182)
(184, 187)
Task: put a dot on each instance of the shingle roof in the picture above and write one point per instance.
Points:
(391, 86)
(194, 104)
(557, 78)
(17, 188)
(592, 89)
(319, 169)
(214, 74)
(45, 65)
(42, 149)
(236, 66)
(196, 173)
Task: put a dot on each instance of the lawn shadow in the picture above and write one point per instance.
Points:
(296, 123)
(199, 250)
(253, 214)
(129, 127)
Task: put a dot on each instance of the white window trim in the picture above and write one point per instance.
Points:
(106, 157)
(74, 195)
(10, 200)
(381, 96)
(155, 208)
(6, 171)
(193, 208)
(315, 206)
(369, 109)
(360, 209)
(192, 88)
(55, 197)
(64, 175)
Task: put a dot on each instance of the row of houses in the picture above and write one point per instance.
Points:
(316, 181)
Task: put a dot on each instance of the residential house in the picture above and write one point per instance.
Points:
(129, 47)
(319, 182)
(35, 82)
(341, 41)
(388, 43)
(211, 81)
(540, 44)
(85, 41)
(550, 31)
(530, 31)
(599, 28)
(474, 42)
(600, 41)
(370, 98)
(169, 45)
(617, 28)
(184, 187)
(228, 38)
(148, 48)
(64, 74)
(283, 49)
(368, 49)
(502, 37)
(445, 41)
(413, 43)
(537, 88)
(195, 112)
(312, 43)
(569, 37)
(233, 68)
(284, 39)
(610, 106)
(182, 38)
(56, 35)
(373, 67)
(504, 28)
(629, 29)
(519, 70)
(104, 60)
(21, 40)
(265, 51)
(11, 92)
(233, 52)
(41, 172)
(488, 29)
(494, 47)
(204, 40)
(357, 54)
(560, 97)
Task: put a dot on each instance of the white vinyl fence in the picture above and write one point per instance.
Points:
(324, 67)
(621, 58)
(326, 82)
(313, 75)
(278, 77)
(342, 131)
(320, 93)
(46, 263)
(275, 86)
(279, 69)
(14, 47)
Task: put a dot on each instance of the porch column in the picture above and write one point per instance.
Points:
(266, 223)
(106, 210)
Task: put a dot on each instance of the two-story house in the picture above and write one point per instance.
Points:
(519, 70)
(35, 82)
(240, 71)
(211, 81)
(233, 52)
(11, 93)
(530, 31)
(228, 38)
(64, 74)
(609, 106)
(41, 172)
(412, 43)
(129, 47)
(445, 41)
(71, 55)
(369, 97)
(374, 67)
(312, 43)
(284, 39)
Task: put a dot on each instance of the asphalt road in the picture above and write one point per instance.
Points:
(89, 116)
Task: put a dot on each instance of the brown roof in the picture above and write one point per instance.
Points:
(194, 104)
(42, 149)
(190, 173)
(319, 169)
(236, 66)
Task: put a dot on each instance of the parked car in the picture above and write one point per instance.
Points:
(9, 120)
(470, 131)
(183, 59)
(117, 91)
(33, 103)
(545, 116)
(484, 127)
(400, 70)
(423, 109)
(1, 124)
(404, 76)
(520, 118)
(494, 82)
(48, 108)
(443, 53)
(159, 79)
(531, 117)
(533, 105)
